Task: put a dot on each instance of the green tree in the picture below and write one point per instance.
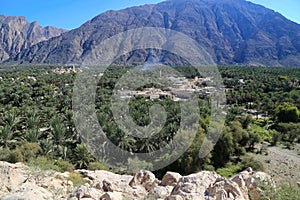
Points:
(287, 112)
(81, 157)
(291, 131)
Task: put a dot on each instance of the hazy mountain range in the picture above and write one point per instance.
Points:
(234, 32)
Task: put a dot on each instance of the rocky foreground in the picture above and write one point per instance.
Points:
(21, 182)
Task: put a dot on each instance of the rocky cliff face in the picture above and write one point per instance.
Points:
(17, 34)
(21, 182)
(232, 31)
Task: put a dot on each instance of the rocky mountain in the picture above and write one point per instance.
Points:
(17, 34)
(231, 31)
(22, 182)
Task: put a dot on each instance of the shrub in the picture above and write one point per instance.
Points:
(97, 166)
(64, 165)
(229, 170)
(15, 156)
(29, 151)
(275, 137)
(77, 179)
(248, 161)
(44, 164)
(11, 156)
(284, 192)
(4, 154)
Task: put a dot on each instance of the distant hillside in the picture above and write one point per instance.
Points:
(17, 34)
(232, 31)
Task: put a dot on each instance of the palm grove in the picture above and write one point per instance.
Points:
(37, 126)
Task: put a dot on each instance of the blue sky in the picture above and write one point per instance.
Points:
(71, 14)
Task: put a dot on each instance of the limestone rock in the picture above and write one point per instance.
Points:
(29, 191)
(85, 191)
(52, 183)
(159, 192)
(11, 176)
(18, 182)
(111, 196)
(249, 181)
(107, 186)
(145, 178)
(193, 186)
(170, 178)
(225, 189)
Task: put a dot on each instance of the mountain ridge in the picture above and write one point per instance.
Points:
(234, 32)
(17, 34)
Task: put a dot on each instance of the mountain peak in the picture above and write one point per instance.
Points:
(17, 34)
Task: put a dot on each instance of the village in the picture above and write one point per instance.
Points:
(179, 89)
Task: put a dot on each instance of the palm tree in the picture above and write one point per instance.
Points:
(47, 147)
(12, 119)
(7, 137)
(32, 135)
(58, 130)
(81, 156)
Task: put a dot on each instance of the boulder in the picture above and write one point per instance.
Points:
(55, 184)
(64, 175)
(249, 181)
(111, 196)
(100, 175)
(86, 191)
(107, 186)
(12, 176)
(18, 182)
(159, 192)
(144, 178)
(225, 189)
(193, 186)
(29, 191)
(170, 178)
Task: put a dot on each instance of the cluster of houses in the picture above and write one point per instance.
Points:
(180, 88)
(66, 70)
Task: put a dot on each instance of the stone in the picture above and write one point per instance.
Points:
(86, 191)
(112, 196)
(250, 180)
(107, 186)
(193, 186)
(12, 176)
(224, 189)
(170, 178)
(98, 185)
(64, 175)
(145, 178)
(52, 183)
(29, 191)
(159, 192)
(18, 182)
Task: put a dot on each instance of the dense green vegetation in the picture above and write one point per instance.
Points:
(36, 122)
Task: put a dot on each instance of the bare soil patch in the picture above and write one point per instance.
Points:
(282, 164)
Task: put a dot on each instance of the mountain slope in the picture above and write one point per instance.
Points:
(17, 34)
(232, 31)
